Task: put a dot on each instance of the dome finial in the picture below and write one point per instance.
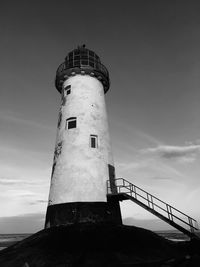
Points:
(83, 46)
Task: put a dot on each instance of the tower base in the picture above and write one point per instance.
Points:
(83, 212)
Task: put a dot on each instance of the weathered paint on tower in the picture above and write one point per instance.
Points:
(83, 159)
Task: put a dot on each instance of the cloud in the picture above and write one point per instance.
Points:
(8, 181)
(148, 137)
(187, 153)
(130, 165)
(13, 117)
(148, 167)
(161, 178)
(19, 193)
(38, 201)
(17, 201)
(41, 201)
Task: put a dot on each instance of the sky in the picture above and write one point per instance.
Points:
(151, 49)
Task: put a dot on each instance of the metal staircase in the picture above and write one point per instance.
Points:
(123, 190)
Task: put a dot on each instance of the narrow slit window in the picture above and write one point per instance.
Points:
(68, 89)
(71, 123)
(94, 141)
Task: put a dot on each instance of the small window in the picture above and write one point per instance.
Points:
(68, 89)
(84, 52)
(70, 123)
(76, 52)
(77, 63)
(91, 64)
(77, 58)
(84, 57)
(70, 64)
(91, 53)
(84, 62)
(93, 141)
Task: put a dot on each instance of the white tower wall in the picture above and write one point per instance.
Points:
(80, 171)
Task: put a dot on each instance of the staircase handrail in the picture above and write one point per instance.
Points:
(154, 197)
(132, 189)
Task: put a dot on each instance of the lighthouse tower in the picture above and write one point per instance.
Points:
(83, 162)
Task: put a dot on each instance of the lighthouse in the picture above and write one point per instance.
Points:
(83, 162)
(83, 224)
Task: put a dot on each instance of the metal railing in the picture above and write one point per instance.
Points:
(96, 65)
(93, 67)
(153, 203)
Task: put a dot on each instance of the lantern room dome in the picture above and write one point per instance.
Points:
(82, 61)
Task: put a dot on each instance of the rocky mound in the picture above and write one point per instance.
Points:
(99, 245)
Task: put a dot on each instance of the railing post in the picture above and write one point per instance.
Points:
(130, 186)
(135, 192)
(171, 213)
(148, 200)
(196, 224)
(191, 225)
(152, 202)
(168, 212)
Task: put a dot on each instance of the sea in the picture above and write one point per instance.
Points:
(7, 240)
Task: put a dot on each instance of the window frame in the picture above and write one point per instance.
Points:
(67, 89)
(71, 119)
(95, 138)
